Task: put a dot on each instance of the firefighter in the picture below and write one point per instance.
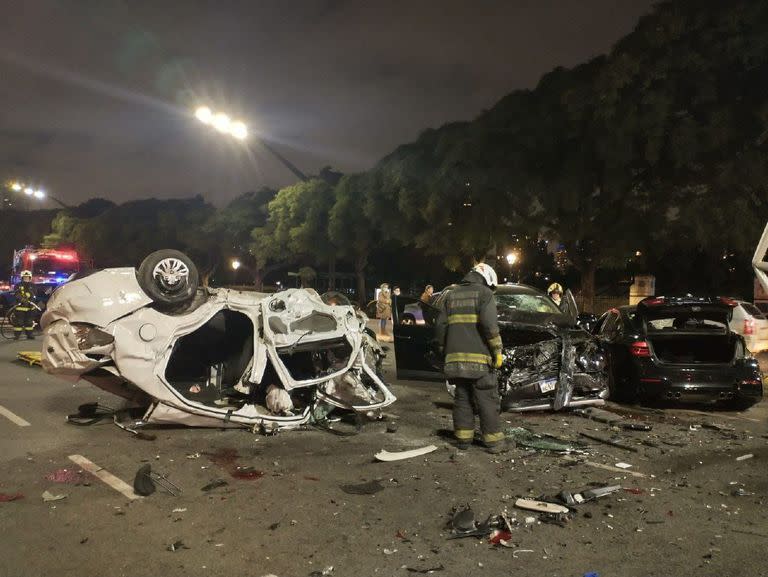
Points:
(22, 317)
(467, 331)
(555, 292)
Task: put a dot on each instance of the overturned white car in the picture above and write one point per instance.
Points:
(204, 357)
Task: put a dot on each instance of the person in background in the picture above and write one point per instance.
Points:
(426, 296)
(22, 317)
(396, 291)
(555, 292)
(467, 332)
(383, 307)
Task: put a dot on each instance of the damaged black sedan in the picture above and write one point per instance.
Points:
(549, 362)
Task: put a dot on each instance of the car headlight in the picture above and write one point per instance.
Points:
(88, 336)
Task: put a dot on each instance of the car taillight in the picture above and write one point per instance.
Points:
(749, 327)
(640, 349)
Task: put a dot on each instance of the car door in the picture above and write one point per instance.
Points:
(415, 354)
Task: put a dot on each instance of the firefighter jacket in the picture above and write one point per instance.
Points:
(24, 294)
(467, 329)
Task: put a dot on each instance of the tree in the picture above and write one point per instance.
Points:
(228, 230)
(296, 229)
(350, 230)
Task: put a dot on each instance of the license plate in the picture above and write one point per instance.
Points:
(547, 385)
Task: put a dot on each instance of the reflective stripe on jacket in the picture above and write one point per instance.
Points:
(468, 329)
(23, 294)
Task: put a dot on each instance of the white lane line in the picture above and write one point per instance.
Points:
(117, 484)
(13, 417)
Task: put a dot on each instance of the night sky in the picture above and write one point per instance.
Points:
(96, 95)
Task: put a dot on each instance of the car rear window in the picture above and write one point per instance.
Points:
(753, 311)
(686, 321)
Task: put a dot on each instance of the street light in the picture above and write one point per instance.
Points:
(37, 193)
(238, 130)
(236, 264)
(16, 186)
(512, 258)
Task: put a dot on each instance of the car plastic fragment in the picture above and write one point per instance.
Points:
(215, 484)
(608, 441)
(145, 481)
(48, 497)
(541, 506)
(398, 456)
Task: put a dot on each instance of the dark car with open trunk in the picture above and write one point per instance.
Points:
(678, 348)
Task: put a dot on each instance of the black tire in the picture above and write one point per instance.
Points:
(169, 277)
(408, 319)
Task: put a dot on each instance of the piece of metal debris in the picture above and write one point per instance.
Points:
(426, 570)
(215, 484)
(48, 497)
(145, 482)
(176, 546)
(369, 488)
(622, 465)
(745, 457)
(397, 456)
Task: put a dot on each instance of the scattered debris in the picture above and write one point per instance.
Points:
(603, 466)
(397, 456)
(426, 570)
(84, 540)
(369, 488)
(528, 439)
(741, 492)
(6, 497)
(145, 482)
(607, 441)
(216, 483)
(541, 506)
(193, 456)
(745, 457)
(176, 546)
(392, 427)
(30, 357)
(622, 465)
(48, 496)
(718, 427)
(516, 551)
(179, 510)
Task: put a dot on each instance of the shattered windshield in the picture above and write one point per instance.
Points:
(526, 303)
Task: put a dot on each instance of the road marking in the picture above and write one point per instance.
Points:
(117, 484)
(13, 417)
(606, 467)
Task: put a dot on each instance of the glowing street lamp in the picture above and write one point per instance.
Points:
(16, 186)
(29, 191)
(222, 122)
(236, 264)
(512, 258)
(39, 194)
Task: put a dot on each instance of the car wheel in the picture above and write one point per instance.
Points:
(408, 319)
(169, 277)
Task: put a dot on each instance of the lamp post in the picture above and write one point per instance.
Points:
(31, 192)
(238, 130)
(512, 259)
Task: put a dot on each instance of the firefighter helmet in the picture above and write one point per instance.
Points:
(488, 274)
(555, 287)
(25, 273)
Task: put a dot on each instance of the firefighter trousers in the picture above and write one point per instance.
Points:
(479, 396)
(23, 321)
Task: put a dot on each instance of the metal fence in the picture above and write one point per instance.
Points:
(601, 303)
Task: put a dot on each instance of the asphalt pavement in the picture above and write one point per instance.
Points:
(690, 506)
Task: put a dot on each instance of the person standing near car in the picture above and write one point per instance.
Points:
(555, 292)
(383, 307)
(426, 296)
(467, 331)
(22, 317)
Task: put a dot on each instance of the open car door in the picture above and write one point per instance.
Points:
(413, 324)
(568, 306)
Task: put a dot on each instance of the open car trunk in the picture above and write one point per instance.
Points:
(689, 330)
(687, 349)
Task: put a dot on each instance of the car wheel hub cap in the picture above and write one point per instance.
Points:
(171, 273)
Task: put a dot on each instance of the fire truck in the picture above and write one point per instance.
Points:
(50, 268)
